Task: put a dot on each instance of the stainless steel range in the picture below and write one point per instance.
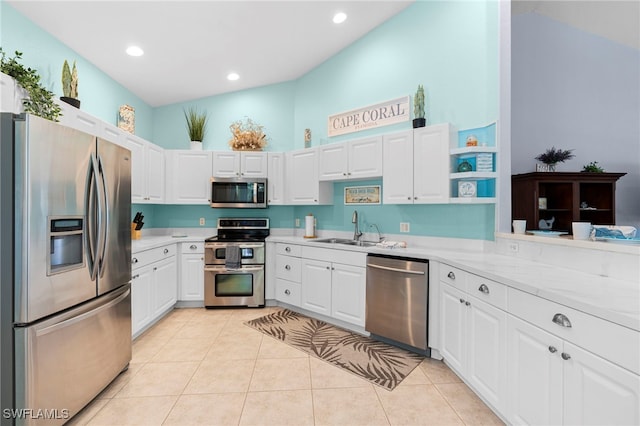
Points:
(234, 263)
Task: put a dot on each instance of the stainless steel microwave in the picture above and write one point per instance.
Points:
(239, 193)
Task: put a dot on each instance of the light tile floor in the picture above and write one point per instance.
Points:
(205, 367)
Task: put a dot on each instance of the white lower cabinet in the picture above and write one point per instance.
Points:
(154, 286)
(191, 272)
(348, 289)
(552, 381)
(311, 279)
(473, 342)
(316, 286)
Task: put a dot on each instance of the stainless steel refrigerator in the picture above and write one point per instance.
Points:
(65, 268)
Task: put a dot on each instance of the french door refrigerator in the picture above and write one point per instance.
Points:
(65, 266)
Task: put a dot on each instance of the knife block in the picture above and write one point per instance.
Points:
(135, 235)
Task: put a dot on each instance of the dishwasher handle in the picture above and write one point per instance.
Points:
(386, 268)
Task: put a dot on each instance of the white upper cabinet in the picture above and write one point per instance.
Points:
(431, 163)
(188, 176)
(416, 165)
(397, 177)
(246, 164)
(302, 179)
(147, 171)
(276, 194)
(356, 159)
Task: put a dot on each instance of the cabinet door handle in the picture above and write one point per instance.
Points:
(287, 249)
(467, 303)
(552, 349)
(166, 251)
(562, 320)
(134, 260)
(287, 267)
(155, 268)
(415, 198)
(135, 276)
(408, 198)
(328, 268)
(565, 356)
(483, 288)
(287, 292)
(461, 300)
(193, 246)
(451, 275)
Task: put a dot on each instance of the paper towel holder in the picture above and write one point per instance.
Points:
(310, 226)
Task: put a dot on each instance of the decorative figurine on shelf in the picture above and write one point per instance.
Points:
(307, 138)
(418, 108)
(472, 140)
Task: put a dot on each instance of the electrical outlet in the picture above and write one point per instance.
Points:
(513, 247)
(202, 221)
(404, 226)
(297, 222)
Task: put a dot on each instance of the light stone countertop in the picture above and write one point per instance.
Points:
(611, 299)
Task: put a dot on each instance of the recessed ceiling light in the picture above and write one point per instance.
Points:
(134, 51)
(232, 76)
(339, 18)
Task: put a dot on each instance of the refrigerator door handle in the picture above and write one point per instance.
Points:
(104, 218)
(90, 207)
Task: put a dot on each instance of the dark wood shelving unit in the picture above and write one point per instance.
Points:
(564, 193)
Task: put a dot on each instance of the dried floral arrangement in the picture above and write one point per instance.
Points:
(553, 156)
(247, 136)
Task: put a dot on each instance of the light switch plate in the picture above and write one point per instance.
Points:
(404, 227)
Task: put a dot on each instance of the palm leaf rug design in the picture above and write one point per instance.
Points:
(381, 364)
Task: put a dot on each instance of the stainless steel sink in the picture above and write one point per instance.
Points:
(346, 242)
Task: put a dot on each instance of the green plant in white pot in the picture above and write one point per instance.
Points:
(196, 126)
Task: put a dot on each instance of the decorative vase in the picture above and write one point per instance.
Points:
(71, 101)
(419, 122)
(541, 167)
(196, 146)
(465, 166)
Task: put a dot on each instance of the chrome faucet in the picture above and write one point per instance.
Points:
(356, 233)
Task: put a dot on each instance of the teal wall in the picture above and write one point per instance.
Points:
(449, 47)
(101, 96)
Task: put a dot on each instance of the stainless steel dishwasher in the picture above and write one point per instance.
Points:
(398, 300)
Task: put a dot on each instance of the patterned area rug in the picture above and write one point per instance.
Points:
(381, 364)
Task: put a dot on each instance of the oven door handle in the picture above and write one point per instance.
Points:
(225, 269)
(225, 245)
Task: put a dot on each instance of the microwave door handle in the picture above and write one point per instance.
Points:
(255, 192)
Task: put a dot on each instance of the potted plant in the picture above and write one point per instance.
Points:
(551, 157)
(592, 167)
(247, 136)
(418, 108)
(70, 84)
(196, 127)
(40, 100)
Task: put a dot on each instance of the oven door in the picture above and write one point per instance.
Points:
(234, 287)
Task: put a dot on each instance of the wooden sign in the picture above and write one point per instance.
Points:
(382, 114)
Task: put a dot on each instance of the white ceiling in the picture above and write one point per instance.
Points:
(612, 19)
(191, 46)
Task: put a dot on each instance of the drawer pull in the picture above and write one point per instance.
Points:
(562, 320)
(565, 356)
(134, 260)
(451, 275)
(166, 251)
(287, 292)
(193, 246)
(552, 349)
(287, 249)
(287, 267)
(483, 288)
